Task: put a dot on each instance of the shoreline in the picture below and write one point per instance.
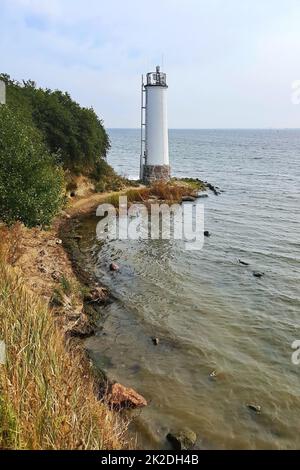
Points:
(52, 271)
(40, 265)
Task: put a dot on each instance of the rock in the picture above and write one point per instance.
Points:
(244, 263)
(58, 241)
(43, 252)
(258, 274)
(73, 194)
(56, 276)
(121, 397)
(217, 375)
(114, 267)
(97, 295)
(83, 329)
(200, 195)
(77, 237)
(254, 407)
(213, 188)
(155, 341)
(42, 269)
(182, 440)
(206, 233)
(65, 214)
(73, 316)
(188, 199)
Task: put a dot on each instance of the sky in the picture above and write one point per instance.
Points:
(229, 63)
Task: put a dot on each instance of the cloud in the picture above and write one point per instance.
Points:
(229, 63)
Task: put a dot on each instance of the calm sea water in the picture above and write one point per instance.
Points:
(208, 311)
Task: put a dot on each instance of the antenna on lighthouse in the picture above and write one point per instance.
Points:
(154, 164)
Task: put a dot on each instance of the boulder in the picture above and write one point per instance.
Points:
(155, 341)
(97, 295)
(244, 263)
(114, 267)
(258, 274)
(42, 268)
(254, 407)
(213, 188)
(182, 440)
(77, 237)
(65, 214)
(206, 233)
(83, 329)
(121, 397)
(188, 199)
(56, 275)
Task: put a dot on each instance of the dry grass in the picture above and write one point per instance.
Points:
(47, 391)
(168, 191)
(171, 192)
(10, 246)
(47, 394)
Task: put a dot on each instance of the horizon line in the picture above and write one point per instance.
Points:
(214, 128)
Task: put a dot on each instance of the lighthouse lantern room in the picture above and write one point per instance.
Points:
(154, 129)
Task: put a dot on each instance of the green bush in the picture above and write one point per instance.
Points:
(75, 133)
(100, 187)
(106, 178)
(31, 182)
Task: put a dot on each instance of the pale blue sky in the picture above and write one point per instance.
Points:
(230, 63)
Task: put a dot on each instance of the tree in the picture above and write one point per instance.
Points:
(76, 134)
(31, 182)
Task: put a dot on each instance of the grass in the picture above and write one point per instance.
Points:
(10, 242)
(193, 183)
(47, 391)
(168, 191)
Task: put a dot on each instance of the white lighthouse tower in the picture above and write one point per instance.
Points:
(154, 139)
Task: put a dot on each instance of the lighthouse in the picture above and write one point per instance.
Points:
(154, 163)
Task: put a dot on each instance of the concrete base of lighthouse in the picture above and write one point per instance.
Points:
(153, 173)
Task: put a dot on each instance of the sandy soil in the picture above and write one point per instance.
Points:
(86, 204)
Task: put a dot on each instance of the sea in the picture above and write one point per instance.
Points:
(224, 366)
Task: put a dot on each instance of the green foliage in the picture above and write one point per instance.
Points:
(193, 183)
(76, 134)
(31, 182)
(8, 424)
(100, 187)
(106, 178)
(66, 285)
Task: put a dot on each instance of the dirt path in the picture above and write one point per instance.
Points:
(88, 203)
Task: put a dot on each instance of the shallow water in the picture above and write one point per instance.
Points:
(208, 311)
